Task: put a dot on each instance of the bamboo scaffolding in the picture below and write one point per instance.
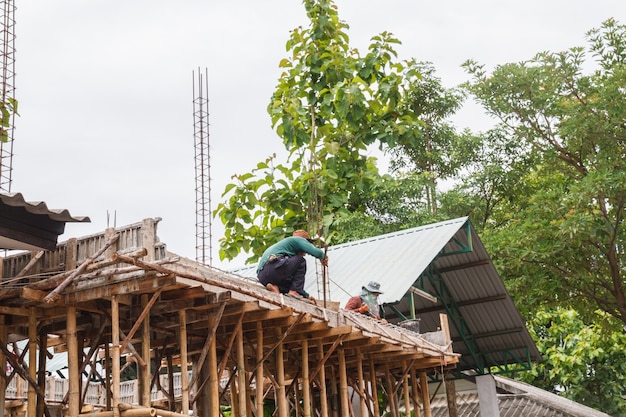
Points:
(322, 380)
(425, 398)
(415, 392)
(214, 382)
(241, 375)
(3, 367)
(144, 371)
(145, 314)
(374, 387)
(281, 399)
(32, 360)
(406, 392)
(259, 379)
(72, 358)
(184, 377)
(115, 359)
(306, 381)
(361, 382)
(391, 396)
(343, 382)
(207, 343)
(67, 281)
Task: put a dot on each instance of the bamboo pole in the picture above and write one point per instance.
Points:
(145, 346)
(143, 318)
(343, 383)
(322, 381)
(136, 412)
(184, 376)
(3, 365)
(41, 373)
(214, 381)
(115, 359)
(391, 396)
(165, 413)
(361, 382)
(406, 392)
(32, 361)
(171, 400)
(72, 362)
(33, 261)
(374, 388)
(281, 399)
(259, 369)
(425, 397)
(21, 275)
(334, 394)
(296, 398)
(306, 382)
(213, 325)
(241, 375)
(234, 400)
(107, 373)
(97, 414)
(415, 391)
(67, 281)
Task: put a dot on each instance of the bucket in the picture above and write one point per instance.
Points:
(412, 325)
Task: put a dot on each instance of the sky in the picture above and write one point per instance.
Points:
(105, 89)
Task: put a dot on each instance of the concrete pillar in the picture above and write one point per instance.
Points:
(487, 396)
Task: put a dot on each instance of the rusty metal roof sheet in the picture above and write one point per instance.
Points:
(449, 263)
(40, 208)
(31, 225)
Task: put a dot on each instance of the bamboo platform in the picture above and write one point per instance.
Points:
(120, 296)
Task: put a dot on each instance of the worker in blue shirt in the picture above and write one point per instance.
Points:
(282, 267)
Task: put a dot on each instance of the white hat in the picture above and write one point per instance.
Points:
(373, 286)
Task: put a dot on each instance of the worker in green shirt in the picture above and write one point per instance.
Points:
(282, 267)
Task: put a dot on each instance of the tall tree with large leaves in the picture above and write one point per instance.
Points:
(562, 240)
(330, 106)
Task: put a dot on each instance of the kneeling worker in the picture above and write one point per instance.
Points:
(282, 267)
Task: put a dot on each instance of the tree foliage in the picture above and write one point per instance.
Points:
(582, 362)
(331, 105)
(560, 230)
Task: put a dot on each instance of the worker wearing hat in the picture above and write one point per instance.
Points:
(282, 267)
(367, 302)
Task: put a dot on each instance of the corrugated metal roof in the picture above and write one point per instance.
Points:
(516, 399)
(40, 208)
(485, 326)
(31, 225)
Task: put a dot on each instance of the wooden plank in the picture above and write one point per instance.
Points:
(329, 333)
(147, 284)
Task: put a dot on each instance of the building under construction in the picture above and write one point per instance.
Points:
(120, 300)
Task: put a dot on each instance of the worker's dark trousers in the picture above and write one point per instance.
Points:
(287, 273)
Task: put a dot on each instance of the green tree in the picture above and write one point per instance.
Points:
(560, 232)
(431, 148)
(330, 106)
(585, 363)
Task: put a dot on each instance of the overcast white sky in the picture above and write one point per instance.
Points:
(105, 88)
